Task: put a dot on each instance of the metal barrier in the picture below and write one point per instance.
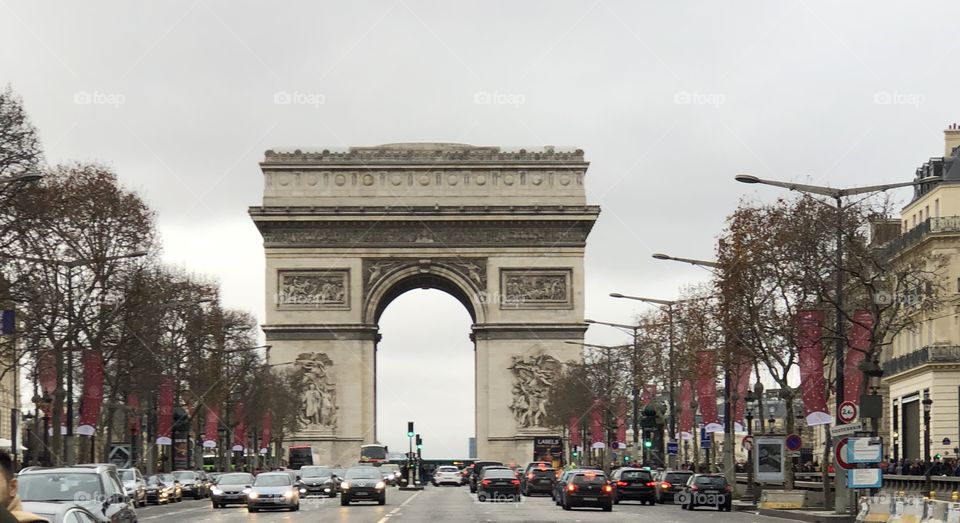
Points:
(944, 488)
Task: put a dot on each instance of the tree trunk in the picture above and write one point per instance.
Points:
(824, 464)
(789, 424)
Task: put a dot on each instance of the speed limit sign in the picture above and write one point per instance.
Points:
(847, 412)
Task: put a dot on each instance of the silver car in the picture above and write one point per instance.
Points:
(273, 490)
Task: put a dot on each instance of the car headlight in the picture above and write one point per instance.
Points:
(303, 490)
(216, 492)
(396, 474)
(380, 485)
(252, 495)
(345, 485)
(288, 494)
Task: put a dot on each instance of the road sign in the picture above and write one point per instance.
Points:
(847, 412)
(865, 478)
(705, 440)
(792, 454)
(864, 450)
(793, 442)
(946, 441)
(747, 443)
(673, 448)
(846, 430)
(840, 452)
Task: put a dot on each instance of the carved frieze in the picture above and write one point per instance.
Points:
(473, 270)
(425, 152)
(536, 288)
(313, 289)
(533, 376)
(318, 407)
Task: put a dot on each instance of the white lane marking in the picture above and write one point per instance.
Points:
(174, 513)
(394, 511)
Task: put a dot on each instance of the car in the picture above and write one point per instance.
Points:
(177, 494)
(272, 490)
(465, 474)
(478, 467)
(318, 480)
(706, 490)
(670, 482)
(158, 492)
(230, 489)
(498, 483)
(538, 477)
(60, 512)
(391, 473)
(134, 486)
(588, 488)
(95, 488)
(191, 484)
(634, 484)
(363, 484)
(560, 484)
(447, 475)
(214, 476)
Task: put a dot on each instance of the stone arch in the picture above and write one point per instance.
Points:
(423, 276)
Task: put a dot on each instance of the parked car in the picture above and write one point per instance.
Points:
(390, 473)
(134, 486)
(706, 490)
(588, 488)
(95, 488)
(318, 480)
(447, 475)
(177, 494)
(272, 490)
(230, 489)
(538, 477)
(478, 467)
(498, 483)
(633, 484)
(157, 491)
(363, 484)
(60, 512)
(670, 483)
(191, 484)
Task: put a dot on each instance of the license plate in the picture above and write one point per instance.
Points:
(362, 493)
(589, 499)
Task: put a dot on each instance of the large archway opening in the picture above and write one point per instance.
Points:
(426, 371)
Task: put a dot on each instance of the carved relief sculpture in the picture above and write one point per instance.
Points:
(318, 408)
(324, 289)
(472, 269)
(533, 377)
(535, 288)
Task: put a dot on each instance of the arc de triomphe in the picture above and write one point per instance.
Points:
(345, 232)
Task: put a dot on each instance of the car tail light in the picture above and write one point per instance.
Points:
(651, 483)
(728, 488)
(515, 481)
(571, 487)
(665, 485)
(530, 475)
(694, 488)
(485, 482)
(622, 483)
(607, 488)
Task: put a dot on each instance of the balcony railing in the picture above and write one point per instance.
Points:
(928, 354)
(914, 235)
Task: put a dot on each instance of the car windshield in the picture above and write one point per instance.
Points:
(591, 478)
(712, 481)
(448, 469)
(498, 473)
(337, 472)
(152, 480)
(58, 487)
(677, 477)
(636, 474)
(363, 473)
(184, 474)
(314, 472)
(169, 478)
(390, 467)
(235, 479)
(272, 480)
(128, 475)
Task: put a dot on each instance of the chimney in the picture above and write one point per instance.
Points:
(951, 137)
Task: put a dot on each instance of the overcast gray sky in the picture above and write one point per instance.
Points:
(668, 99)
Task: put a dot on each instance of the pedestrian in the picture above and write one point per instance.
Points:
(9, 499)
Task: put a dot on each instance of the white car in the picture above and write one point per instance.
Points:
(447, 474)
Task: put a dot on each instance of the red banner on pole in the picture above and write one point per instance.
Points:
(47, 377)
(596, 426)
(812, 382)
(165, 411)
(859, 345)
(574, 427)
(133, 413)
(622, 423)
(741, 384)
(265, 432)
(240, 429)
(212, 427)
(649, 393)
(686, 412)
(92, 392)
(707, 389)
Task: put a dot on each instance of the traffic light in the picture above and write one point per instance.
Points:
(647, 443)
(936, 456)
(575, 453)
(419, 442)
(409, 429)
(626, 458)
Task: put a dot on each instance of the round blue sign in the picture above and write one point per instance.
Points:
(946, 441)
(793, 442)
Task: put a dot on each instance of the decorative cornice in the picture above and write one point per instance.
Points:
(428, 153)
(529, 331)
(321, 332)
(432, 210)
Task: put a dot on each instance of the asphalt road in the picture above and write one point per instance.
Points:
(439, 504)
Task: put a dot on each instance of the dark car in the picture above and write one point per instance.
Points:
(670, 483)
(477, 469)
(634, 484)
(231, 488)
(538, 477)
(95, 488)
(319, 481)
(191, 484)
(272, 490)
(60, 512)
(158, 492)
(710, 490)
(363, 484)
(588, 488)
(560, 484)
(498, 484)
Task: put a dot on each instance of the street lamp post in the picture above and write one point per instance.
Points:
(927, 406)
(635, 425)
(749, 416)
(840, 487)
